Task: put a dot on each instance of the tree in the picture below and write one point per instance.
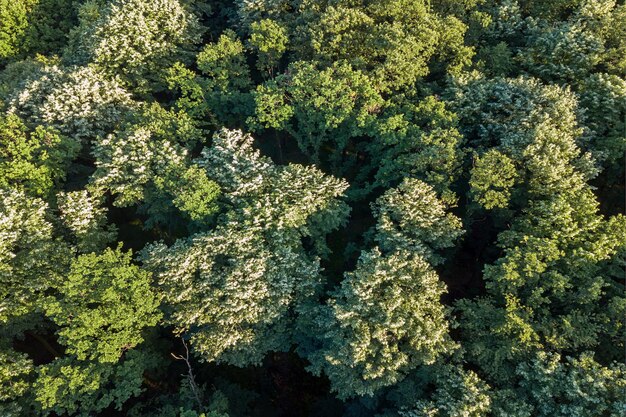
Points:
(235, 289)
(34, 26)
(15, 368)
(386, 319)
(592, 34)
(35, 161)
(391, 42)
(82, 213)
(128, 161)
(549, 385)
(14, 17)
(139, 166)
(132, 39)
(416, 138)
(80, 102)
(269, 40)
(66, 386)
(441, 390)
(567, 52)
(32, 260)
(103, 306)
(603, 97)
(103, 309)
(520, 119)
(493, 177)
(221, 92)
(552, 287)
(327, 107)
(49, 24)
(411, 217)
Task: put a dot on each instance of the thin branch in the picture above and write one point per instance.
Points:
(192, 380)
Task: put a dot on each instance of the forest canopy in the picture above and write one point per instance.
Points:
(337, 208)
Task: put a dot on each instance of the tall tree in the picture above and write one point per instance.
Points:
(386, 319)
(132, 39)
(235, 289)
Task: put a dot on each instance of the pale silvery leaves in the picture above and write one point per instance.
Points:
(411, 217)
(133, 38)
(237, 167)
(266, 194)
(235, 289)
(78, 101)
(83, 214)
(30, 259)
(126, 162)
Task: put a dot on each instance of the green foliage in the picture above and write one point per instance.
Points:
(508, 113)
(50, 22)
(392, 42)
(221, 92)
(493, 176)
(192, 92)
(455, 393)
(14, 18)
(549, 386)
(567, 52)
(194, 193)
(615, 45)
(384, 321)
(34, 161)
(271, 107)
(138, 166)
(85, 388)
(12, 77)
(34, 26)
(498, 59)
(603, 97)
(127, 162)
(269, 39)
(416, 140)
(224, 63)
(533, 126)
(102, 306)
(329, 106)
(14, 369)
